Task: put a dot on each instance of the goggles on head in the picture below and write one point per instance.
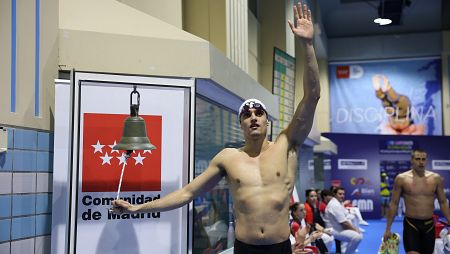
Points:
(251, 103)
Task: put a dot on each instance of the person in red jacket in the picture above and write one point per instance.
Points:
(313, 216)
(312, 208)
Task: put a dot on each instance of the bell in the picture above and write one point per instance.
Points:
(134, 135)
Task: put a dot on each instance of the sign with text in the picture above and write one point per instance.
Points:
(397, 146)
(393, 97)
(353, 164)
(101, 103)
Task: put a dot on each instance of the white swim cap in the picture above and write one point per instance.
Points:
(251, 103)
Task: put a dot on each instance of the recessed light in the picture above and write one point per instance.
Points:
(382, 21)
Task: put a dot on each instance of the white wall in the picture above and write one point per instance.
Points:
(167, 11)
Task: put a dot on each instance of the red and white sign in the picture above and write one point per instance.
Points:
(89, 120)
(102, 165)
(343, 71)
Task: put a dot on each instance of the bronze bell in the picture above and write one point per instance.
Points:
(134, 135)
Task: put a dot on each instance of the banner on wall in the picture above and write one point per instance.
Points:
(363, 158)
(101, 103)
(386, 97)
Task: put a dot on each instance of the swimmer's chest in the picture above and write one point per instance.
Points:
(420, 186)
(263, 169)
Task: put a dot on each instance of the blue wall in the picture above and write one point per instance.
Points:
(363, 185)
(26, 175)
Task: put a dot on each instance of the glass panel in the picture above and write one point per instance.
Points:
(305, 178)
(215, 129)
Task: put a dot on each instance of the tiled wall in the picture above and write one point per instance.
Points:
(26, 173)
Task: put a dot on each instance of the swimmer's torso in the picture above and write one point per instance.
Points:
(419, 194)
(261, 187)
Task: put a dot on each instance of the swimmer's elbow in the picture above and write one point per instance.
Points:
(186, 195)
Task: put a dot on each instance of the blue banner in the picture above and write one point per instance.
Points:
(387, 97)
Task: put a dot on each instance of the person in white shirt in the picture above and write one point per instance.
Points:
(343, 229)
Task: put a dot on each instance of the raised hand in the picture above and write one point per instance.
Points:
(300, 237)
(318, 227)
(376, 81)
(314, 236)
(302, 26)
(380, 81)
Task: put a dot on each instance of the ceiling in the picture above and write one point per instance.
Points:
(350, 18)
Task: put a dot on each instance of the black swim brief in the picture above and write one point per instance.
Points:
(277, 248)
(418, 235)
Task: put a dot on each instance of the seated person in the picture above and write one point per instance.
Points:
(218, 228)
(354, 214)
(343, 229)
(297, 224)
(328, 238)
(312, 210)
(313, 217)
(202, 244)
(354, 210)
(325, 196)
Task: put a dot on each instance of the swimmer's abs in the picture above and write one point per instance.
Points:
(262, 234)
(262, 201)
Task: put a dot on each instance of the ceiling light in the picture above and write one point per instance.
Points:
(377, 20)
(383, 22)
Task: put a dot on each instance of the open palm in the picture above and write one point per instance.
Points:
(303, 26)
(300, 237)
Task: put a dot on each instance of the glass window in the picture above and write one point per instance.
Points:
(215, 129)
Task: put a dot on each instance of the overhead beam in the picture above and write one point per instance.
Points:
(445, 15)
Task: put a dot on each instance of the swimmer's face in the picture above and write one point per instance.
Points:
(254, 122)
(419, 160)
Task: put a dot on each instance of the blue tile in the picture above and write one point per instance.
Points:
(44, 162)
(43, 224)
(5, 228)
(25, 139)
(44, 203)
(5, 206)
(6, 160)
(24, 204)
(45, 141)
(23, 227)
(10, 138)
(24, 160)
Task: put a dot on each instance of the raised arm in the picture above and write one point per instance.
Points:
(202, 183)
(393, 205)
(443, 203)
(302, 121)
